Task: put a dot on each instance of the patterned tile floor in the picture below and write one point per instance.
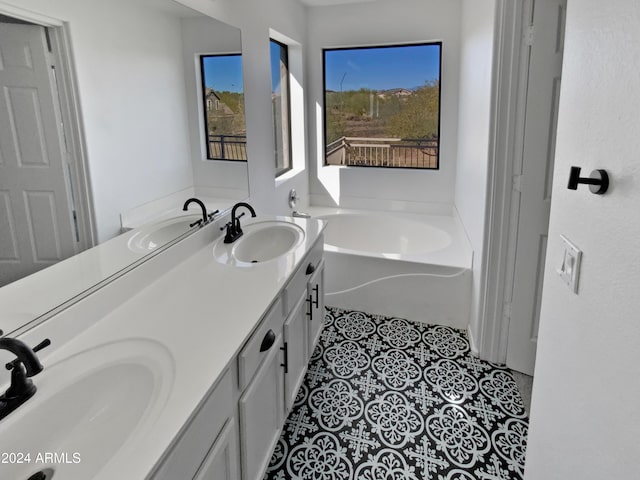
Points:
(388, 399)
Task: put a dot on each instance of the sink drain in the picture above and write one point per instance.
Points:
(254, 261)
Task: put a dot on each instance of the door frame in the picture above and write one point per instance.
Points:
(80, 185)
(510, 72)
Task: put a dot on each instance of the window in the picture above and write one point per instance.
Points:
(382, 106)
(223, 105)
(280, 101)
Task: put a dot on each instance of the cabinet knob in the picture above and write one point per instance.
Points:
(268, 341)
(310, 269)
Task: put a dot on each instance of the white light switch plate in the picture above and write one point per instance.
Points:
(569, 269)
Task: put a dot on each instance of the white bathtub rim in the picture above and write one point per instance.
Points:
(457, 254)
(385, 234)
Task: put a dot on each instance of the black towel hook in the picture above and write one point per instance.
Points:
(598, 180)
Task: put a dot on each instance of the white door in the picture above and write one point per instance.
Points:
(37, 226)
(534, 184)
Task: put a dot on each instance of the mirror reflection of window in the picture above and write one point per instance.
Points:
(223, 102)
(280, 101)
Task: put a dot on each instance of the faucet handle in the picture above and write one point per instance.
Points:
(213, 214)
(45, 343)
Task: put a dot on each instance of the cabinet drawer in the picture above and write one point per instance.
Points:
(251, 357)
(191, 449)
(298, 283)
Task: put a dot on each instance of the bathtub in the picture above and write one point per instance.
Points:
(395, 264)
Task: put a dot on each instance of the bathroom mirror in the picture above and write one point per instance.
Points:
(136, 87)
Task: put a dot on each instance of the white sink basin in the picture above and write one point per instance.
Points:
(150, 237)
(87, 407)
(261, 242)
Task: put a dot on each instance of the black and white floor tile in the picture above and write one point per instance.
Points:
(389, 399)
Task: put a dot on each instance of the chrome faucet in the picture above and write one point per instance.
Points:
(234, 230)
(205, 217)
(25, 365)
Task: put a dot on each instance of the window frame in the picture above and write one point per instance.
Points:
(203, 103)
(324, 102)
(285, 130)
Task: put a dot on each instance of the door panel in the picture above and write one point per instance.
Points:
(315, 292)
(221, 462)
(543, 88)
(8, 238)
(261, 408)
(38, 227)
(296, 341)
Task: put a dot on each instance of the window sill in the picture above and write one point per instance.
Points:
(288, 175)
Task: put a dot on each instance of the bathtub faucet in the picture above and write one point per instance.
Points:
(300, 214)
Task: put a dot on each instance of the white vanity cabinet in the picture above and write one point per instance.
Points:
(221, 463)
(261, 410)
(302, 301)
(258, 390)
(270, 394)
(261, 405)
(210, 439)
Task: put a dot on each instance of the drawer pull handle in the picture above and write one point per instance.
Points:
(286, 358)
(315, 302)
(309, 312)
(310, 269)
(268, 341)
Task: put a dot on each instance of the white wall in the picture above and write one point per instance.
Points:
(476, 68)
(377, 23)
(256, 19)
(205, 35)
(584, 415)
(131, 85)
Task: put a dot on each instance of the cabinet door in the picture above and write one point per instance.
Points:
(184, 460)
(296, 349)
(315, 306)
(261, 410)
(222, 460)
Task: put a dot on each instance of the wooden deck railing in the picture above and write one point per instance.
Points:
(228, 147)
(383, 152)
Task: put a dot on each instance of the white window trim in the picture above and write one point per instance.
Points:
(297, 110)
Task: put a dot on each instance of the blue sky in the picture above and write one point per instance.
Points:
(381, 68)
(275, 67)
(223, 73)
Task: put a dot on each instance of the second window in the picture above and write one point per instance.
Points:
(280, 101)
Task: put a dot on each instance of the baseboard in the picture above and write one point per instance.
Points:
(472, 343)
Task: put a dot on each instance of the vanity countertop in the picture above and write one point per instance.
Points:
(201, 311)
(35, 295)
